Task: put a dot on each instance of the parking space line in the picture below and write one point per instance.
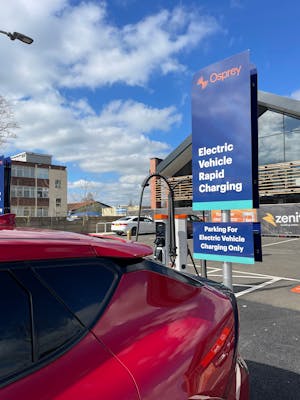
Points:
(236, 274)
(244, 276)
(253, 274)
(243, 285)
(210, 272)
(284, 241)
(257, 287)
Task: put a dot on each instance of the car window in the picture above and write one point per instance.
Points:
(15, 326)
(148, 220)
(55, 326)
(135, 219)
(46, 306)
(83, 286)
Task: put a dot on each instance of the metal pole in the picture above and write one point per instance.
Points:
(227, 266)
(203, 268)
(203, 262)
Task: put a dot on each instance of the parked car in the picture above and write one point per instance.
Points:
(82, 214)
(129, 224)
(95, 318)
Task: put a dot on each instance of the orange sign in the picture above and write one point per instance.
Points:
(236, 215)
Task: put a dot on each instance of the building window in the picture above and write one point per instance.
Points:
(42, 212)
(270, 123)
(292, 138)
(42, 173)
(23, 191)
(291, 124)
(271, 149)
(22, 171)
(42, 192)
(27, 212)
(58, 202)
(19, 191)
(57, 184)
(279, 138)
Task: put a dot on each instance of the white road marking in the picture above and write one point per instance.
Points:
(214, 272)
(253, 275)
(243, 285)
(250, 275)
(284, 241)
(246, 276)
(257, 287)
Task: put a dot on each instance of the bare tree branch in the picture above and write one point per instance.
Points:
(7, 122)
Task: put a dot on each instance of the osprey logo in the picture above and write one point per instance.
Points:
(202, 82)
(221, 76)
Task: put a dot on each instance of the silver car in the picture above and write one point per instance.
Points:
(129, 224)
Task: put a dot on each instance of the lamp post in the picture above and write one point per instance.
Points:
(19, 36)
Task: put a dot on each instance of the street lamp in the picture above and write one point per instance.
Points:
(19, 36)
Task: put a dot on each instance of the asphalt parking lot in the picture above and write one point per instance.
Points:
(268, 295)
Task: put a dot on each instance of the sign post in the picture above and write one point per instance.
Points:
(227, 266)
(224, 140)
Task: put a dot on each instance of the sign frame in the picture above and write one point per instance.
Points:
(224, 135)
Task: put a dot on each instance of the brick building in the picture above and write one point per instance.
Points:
(38, 188)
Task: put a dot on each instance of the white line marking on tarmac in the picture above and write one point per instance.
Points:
(250, 275)
(252, 289)
(246, 276)
(255, 275)
(212, 270)
(243, 285)
(284, 241)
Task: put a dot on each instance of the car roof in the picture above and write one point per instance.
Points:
(31, 244)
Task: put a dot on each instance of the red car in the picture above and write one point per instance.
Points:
(92, 318)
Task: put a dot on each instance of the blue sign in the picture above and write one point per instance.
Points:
(1, 185)
(5, 172)
(225, 241)
(221, 135)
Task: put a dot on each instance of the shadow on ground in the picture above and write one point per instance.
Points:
(271, 383)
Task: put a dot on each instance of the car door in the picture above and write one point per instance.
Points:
(142, 225)
(47, 351)
(167, 331)
(149, 225)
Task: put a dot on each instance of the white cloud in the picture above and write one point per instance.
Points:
(108, 54)
(78, 46)
(296, 95)
(117, 140)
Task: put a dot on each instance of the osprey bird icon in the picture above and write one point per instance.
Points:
(202, 82)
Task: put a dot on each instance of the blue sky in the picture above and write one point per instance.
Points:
(106, 85)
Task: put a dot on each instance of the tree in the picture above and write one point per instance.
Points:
(88, 197)
(7, 122)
